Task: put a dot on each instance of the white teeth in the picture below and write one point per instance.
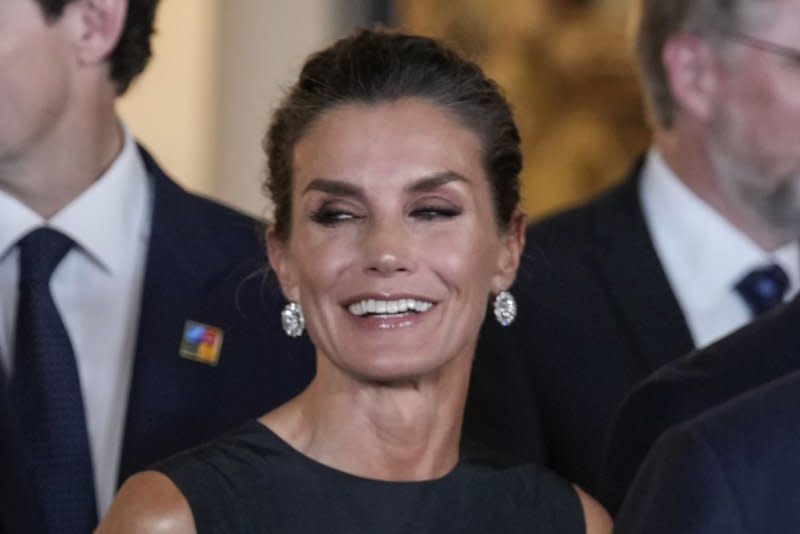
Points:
(388, 307)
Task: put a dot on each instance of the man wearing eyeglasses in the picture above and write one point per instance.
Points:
(728, 81)
(698, 241)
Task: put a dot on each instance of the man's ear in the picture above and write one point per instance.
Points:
(512, 245)
(280, 261)
(96, 27)
(693, 70)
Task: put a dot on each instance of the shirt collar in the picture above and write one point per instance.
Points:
(103, 220)
(704, 253)
(16, 221)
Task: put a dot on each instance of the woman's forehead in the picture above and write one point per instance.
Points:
(380, 138)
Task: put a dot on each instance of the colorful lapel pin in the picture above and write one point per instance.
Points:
(201, 343)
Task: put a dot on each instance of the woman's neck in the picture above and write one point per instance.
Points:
(403, 431)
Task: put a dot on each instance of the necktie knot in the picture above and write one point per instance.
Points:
(40, 253)
(763, 288)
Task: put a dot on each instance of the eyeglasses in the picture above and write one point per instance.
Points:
(792, 54)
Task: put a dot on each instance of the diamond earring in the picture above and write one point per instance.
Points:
(292, 320)
(505, 308)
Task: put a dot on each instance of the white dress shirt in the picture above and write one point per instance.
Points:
(704, 256)
(97, 290)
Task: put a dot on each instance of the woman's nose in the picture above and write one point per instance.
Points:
(388, 249)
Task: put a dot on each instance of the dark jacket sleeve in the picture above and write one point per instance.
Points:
(681, 488)
(647, 413)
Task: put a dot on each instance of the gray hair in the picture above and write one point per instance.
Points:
(659, 20)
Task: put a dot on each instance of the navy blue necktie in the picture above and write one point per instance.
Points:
(45, 398)
(763, 288)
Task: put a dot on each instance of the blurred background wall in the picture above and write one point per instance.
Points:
(219, 68)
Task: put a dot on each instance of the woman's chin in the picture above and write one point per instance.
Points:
(397, 369)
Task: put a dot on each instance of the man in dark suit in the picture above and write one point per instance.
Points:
(731, 470)
(757, 354)
(135, 320)
(670, 260)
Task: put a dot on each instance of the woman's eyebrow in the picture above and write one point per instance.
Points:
(429, 183)
(334, 187)
(341, 188)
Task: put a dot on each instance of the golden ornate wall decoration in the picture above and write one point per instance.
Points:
(567, 68)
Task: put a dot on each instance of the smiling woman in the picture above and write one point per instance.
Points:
(388, 213)
(394, 169)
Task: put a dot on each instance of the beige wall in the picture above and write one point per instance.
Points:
(217, 70)
(171, 107)
(265, 43)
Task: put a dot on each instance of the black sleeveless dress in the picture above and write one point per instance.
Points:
(251, 481)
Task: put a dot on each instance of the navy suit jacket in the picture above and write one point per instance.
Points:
(205, 263)
(754, 355)
(596, 316)
(732, 470)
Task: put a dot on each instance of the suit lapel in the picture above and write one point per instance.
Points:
(627, 262)
(179, 264)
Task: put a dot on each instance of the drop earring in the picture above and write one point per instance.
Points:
(505, 308)
(292, 320)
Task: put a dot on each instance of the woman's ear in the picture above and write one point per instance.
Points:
(512, 245)
(96, 27)
(280, 261)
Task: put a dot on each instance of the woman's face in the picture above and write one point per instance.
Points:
(393, 249)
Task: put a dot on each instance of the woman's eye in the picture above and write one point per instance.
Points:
(331, 216)
(428, 213)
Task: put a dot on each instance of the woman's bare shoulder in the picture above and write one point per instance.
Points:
(597, 519)
(150, 503)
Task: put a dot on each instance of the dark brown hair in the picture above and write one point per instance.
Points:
(377, 66)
